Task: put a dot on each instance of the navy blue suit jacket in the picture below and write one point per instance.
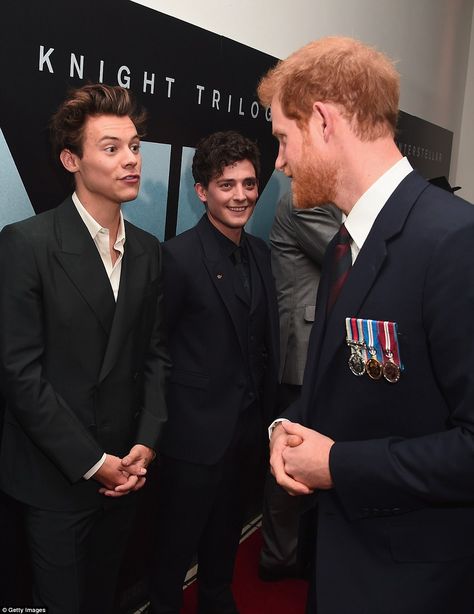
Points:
(396, 533)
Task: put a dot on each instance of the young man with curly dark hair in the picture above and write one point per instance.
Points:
(222, 323)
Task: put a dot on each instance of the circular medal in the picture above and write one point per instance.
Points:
(391, 371)
(356, 364)
(373, 368)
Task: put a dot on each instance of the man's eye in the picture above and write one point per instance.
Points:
(135, 148)
(110, 148)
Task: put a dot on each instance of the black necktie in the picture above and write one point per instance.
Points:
(341, 265)
(241, 268)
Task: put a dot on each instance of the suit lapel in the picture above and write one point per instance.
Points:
(78, 256)
(133, 281)
(262, 262)
(388, 224)
(266, 277)
(220, 269)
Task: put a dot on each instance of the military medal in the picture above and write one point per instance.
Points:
(392, 364)
(357, 363)
(373, 368)
(356, 360)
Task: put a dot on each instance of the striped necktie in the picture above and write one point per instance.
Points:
(341, 265)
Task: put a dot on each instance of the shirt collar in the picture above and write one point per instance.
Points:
(93, 226)
(227, 246)
(363, 214)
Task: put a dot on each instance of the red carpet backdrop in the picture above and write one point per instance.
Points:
(251, 594)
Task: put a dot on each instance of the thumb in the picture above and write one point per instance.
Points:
(293, 441)
(293, 428)
(131, 457)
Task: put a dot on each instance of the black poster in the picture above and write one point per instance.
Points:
(191, 81)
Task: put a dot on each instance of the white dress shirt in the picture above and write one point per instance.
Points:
(100, 237)
(362, 216)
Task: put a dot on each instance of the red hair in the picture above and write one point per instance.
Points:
(362, 81)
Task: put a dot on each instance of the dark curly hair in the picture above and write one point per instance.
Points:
(67, 124)
(221, 149)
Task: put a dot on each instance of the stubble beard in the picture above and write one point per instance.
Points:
(314, 181)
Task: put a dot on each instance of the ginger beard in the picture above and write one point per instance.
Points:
(314, 180)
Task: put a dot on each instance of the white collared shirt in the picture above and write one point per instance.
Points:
(100, 237)
(362, 216)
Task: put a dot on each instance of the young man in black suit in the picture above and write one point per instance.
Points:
(385, 424)
(82, 357)
(222, 324)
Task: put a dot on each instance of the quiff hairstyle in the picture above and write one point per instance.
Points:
(362, 81)
(221, 149)
(67, 124)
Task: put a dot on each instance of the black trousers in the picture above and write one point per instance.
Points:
(76, 556)
(201, 511)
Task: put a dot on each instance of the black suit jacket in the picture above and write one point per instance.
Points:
(208, 378)
(401, 512)
(81, 374)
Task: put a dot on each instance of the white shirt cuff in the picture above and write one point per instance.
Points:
(273, 425)
(95, 468)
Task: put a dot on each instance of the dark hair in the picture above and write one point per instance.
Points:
(67, 124)
(220, 149)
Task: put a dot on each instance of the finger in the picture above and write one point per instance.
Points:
(132, 457)
(292, 486)
(288, 483)
(135, 469)
(112, 493)
(293, 441)
(129, 484)
(293, 428)
(140, 483)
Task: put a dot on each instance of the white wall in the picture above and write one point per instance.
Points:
(430, 39)
(465, 167)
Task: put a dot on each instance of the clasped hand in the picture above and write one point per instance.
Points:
(120, 476)
(299, 458)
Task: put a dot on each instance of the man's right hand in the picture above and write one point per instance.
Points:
(111, 473)
(279, 441)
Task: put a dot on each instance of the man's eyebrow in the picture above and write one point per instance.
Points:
(222, 178)
(115, 138)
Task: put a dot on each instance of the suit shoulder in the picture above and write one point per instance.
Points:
(445, 211)
(257, 242)
(145, 238)
(35, 228)
(181, 242)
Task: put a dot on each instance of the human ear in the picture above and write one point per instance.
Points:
(69, 160)
(322, 112)
(201, 192)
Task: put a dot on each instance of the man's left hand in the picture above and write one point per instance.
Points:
(138, 458)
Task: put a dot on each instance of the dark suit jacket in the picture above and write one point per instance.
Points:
(81, 375)
(396, 533)
(208, 377)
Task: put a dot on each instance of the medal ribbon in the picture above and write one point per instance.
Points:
(388, 332)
